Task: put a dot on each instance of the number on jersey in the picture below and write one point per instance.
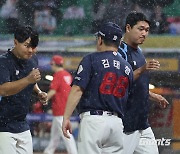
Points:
(114, 85)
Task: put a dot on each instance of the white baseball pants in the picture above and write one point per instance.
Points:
(100, 134)
(140, 142)
(56, 133)
(16, 143)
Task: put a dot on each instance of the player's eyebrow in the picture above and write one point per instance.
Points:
(27, 43)
(144, 27)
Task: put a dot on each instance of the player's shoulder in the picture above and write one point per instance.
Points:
(4, 58)
(65, 73)
(139, 49)
(123, 50)
(90, 56)
(93, 54)
(123, 47)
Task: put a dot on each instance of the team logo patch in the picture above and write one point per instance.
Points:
(127, 70)
(80, 69)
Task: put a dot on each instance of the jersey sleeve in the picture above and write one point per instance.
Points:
(4, 71)
(83, 73)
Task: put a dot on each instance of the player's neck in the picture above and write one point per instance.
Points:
(59, 69)
(109, 48)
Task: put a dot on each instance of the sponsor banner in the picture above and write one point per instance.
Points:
(176, 123)
(167, 64)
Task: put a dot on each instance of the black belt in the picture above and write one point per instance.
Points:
(100, 112)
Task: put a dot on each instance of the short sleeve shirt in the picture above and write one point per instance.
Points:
(61, 84)
(14, 108)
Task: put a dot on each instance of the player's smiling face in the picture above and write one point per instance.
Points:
(24, 50)
(139, 32)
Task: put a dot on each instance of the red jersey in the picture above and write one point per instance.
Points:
(61, 84)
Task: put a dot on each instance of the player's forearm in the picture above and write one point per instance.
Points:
(73, 99)
(37, 89)
(152, 96)
(50, 94)
(12, 88)
(137, 73)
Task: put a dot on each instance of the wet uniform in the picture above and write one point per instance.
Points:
(106, 79)
(14, 108)
(135, 121)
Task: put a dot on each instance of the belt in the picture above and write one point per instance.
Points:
(100, 112)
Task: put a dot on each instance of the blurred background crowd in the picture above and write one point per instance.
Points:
(84, 16)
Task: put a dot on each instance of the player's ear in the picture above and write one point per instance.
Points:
(128, 28)
(100, 41)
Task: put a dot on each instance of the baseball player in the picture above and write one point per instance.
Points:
(100, 88)
(59, 91)
(19, 77)
(135, 121)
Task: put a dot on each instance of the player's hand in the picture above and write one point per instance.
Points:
(34, 76)
(43, 97)
(162, 102)
(152, 65)
(66, 127)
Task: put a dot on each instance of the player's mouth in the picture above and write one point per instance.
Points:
(29, 55)
(142, 38)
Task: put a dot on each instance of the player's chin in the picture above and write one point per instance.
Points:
(141, 42)
(28, 56)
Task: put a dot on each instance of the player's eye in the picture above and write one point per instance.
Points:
(140, 28)
(27, 45)
(147, 30)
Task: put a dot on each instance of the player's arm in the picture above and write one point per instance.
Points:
(37, 89)
(162, 102)
(41, 94)
(137, 73)
(14, 87)
(51, 93)
(73, 99)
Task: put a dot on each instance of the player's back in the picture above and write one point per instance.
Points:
(109, 83)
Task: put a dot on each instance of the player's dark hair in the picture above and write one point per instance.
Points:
(134, 17)
(109, 42)
(22, 33)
